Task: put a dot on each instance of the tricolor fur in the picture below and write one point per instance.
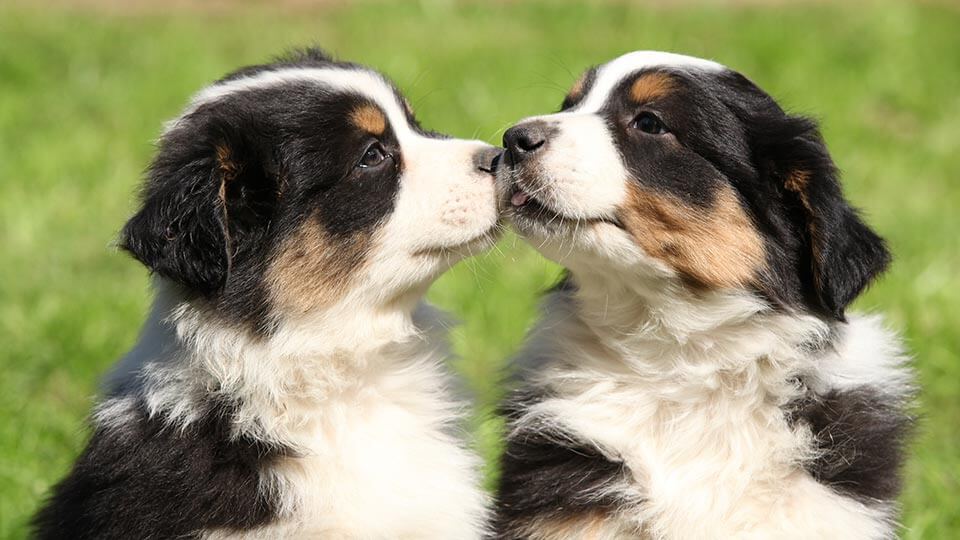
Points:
(696, 375)
(289, 381)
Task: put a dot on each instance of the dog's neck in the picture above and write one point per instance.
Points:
(654, 326)
(283, 382)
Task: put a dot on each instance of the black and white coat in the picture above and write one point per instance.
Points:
(289, 382)
(695, 375)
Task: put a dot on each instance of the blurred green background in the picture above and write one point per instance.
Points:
(84, 87)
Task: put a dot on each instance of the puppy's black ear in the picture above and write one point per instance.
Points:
(844, 254)
(841, 254)
(207, 193)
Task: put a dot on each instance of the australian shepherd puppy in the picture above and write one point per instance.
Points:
(696, 375)
(288, 381)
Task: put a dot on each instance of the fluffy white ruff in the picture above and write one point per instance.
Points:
(688, 392)
(361, 397)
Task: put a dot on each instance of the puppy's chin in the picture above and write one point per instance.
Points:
(589, 246)
(400, 272)
(446, 255)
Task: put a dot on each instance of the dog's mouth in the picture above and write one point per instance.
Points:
(523, 205)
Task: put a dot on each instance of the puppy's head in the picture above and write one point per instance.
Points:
(286, 187)
(670, 167)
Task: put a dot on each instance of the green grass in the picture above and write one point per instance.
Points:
(82, 95)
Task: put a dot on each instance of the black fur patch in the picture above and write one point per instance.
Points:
(148, 479)
(234, 178)
(723, 129)
(546, 474)
(861, 435)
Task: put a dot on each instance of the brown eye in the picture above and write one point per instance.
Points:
(372, 156)
(648, 122)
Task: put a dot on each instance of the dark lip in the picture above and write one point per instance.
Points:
(538, 211)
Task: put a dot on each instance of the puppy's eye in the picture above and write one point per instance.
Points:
(648, 122)
(372, 156)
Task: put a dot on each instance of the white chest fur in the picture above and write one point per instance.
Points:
(364, 412)
(374, 468)
(705, 438)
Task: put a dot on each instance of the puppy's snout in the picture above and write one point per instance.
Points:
(525, 139)
(487, 159)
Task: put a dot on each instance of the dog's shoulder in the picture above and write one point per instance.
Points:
(857, 405)
(139, 473)
(551, 478)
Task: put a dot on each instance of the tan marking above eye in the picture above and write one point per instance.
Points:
(716, 247)
(652, 86)
(370, 119)
(312, 270)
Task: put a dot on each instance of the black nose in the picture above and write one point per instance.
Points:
(524, 139)
(487, 159)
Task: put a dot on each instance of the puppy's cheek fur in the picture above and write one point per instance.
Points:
(313, 269)
(443, 201)
(581, 174)
(716, 247)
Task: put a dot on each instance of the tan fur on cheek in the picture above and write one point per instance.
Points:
(370, 119)
(313, 270)
(651, 87)
(716, 247)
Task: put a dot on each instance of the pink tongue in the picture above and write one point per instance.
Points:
(518, 199)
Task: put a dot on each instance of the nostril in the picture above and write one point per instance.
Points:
(525, 139)
(528, 142)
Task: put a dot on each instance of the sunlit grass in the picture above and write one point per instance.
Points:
(83, 95)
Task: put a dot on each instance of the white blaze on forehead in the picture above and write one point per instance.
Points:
(341, 79)
(612, 73)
